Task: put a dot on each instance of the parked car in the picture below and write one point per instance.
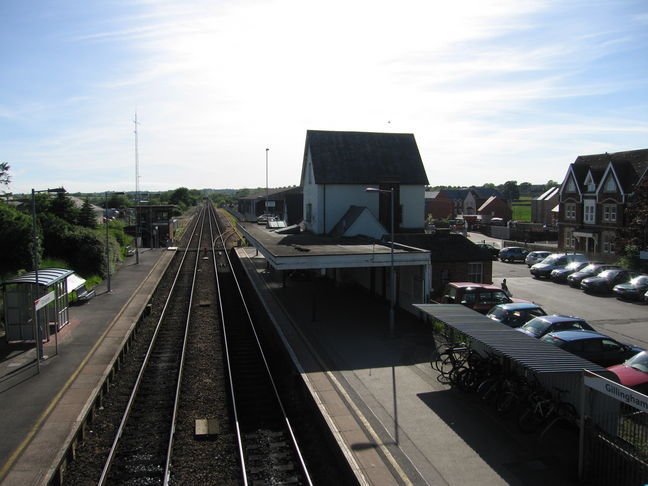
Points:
(477, 296)
(632, 290)
(590, 270)
(264, 218)
(515, 314)
(633, 373)
(605, 281)
(513, 254)
(540, 326)
(592, 346)
(490, 248)
(536, 257)
(554, 261)
(559, 275)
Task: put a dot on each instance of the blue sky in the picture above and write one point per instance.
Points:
(492, 90)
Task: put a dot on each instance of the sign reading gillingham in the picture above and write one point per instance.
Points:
(614, 390)
(44, 300)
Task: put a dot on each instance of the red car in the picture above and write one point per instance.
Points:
(477, 296)
(633, 373)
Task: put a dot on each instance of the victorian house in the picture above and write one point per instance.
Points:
(593, 198)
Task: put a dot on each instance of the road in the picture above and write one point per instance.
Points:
(624, 321)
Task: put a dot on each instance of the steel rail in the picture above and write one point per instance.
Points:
(293, 438)
(131, 400)
(176, 403)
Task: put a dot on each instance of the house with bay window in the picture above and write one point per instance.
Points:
(593, 198)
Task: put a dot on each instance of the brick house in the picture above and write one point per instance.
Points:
(438, 205)
(495, 207)
(454, 258)
(593, 198)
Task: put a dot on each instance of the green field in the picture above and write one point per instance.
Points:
(522, 209)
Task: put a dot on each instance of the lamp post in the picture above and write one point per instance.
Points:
(392, 274)
(37, 333)
(107, 239)
(265, 210)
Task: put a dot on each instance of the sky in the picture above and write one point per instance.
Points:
(492, 90)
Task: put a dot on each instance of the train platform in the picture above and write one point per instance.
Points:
(396, 424)
(40, 415)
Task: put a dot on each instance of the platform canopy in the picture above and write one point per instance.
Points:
(46, 277)
(531, 353)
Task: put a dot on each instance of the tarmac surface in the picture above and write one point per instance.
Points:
(37, 413)
(396, 423)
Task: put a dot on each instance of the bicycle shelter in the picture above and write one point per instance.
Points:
(551, 366)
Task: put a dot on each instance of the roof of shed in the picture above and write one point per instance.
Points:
(46, 276)
(445, 246)
(532, 353)
(364, 158)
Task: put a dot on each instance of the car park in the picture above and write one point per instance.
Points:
(633, 373)
(632, 290)
(559, 275)
(540, 326)
(477, 296)
(590, 270)
(536, 257)
(592, 346)
(605, 281)
(515, 314)
(494, 252)
(554, 261)
(513, 254)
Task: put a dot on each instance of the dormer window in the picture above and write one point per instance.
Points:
(571, 187)
(589, 183)
(610, 185)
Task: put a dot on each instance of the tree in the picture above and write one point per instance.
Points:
(511, 191)
(118, 201)
(63, 207)
(5, 178)
(633, 236)
(87, 217)
(15, 240)
(525, 189)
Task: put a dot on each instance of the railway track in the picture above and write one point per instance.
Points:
(141, 450)
(203, 322)
(268, 449)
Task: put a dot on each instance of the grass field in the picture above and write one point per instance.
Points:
(522, 209)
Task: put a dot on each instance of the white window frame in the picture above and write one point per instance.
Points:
(589, 211)
(608, 243)
(569, 238)
(475, 272)
(610, 185)
(570, 210)
(589, 182)
(609, 213)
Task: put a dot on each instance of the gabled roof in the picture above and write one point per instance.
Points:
(445, 246)
(454, 193)
(629, 166)
(350, 217)
(364, 158)
(548, 194)
(487, 203)
(486, 192)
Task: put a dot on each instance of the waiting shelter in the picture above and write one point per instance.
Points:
(21, 293)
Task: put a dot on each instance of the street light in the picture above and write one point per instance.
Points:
(107, 239)
(265, 210)
(37, 333)
(392, 276)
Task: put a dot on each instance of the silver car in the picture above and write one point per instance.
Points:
(536, 257)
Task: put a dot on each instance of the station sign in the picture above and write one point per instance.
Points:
(44, 300)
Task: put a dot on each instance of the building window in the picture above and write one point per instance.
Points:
(309, 212)
(589, 211)
(589, 182)
(570, 211)
(610, 185)
(609, 213)
(475, 272)
(608, 243)
(571, 187)
(569, 238)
